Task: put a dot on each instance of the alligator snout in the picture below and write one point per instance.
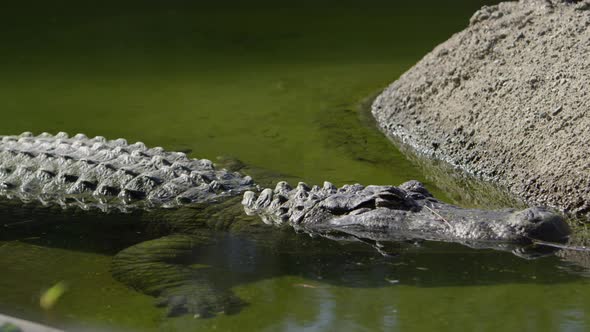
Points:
(538, 215)
(542, 224)
(392, 209)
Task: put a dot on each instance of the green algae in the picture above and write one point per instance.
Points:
(276, 85)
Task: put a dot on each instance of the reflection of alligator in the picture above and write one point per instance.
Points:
(113, 175)
(191, 258)
(180, 257)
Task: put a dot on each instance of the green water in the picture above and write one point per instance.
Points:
(276, 85)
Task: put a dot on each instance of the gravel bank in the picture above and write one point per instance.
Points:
(507, 99)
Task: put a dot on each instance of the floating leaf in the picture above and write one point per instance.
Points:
(50, 297)
(9, 327)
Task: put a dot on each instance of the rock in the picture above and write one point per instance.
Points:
(515, 83)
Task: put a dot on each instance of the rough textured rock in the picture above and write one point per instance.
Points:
(506, 99)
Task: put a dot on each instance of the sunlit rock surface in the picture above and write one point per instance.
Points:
(506, 99)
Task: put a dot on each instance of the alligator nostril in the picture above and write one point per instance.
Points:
(535, 219)
(533, 215)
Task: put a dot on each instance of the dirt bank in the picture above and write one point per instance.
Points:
(507, 99)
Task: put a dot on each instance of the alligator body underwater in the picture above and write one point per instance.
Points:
(114, 176)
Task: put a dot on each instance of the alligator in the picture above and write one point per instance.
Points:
(96, 173)
(181, 195)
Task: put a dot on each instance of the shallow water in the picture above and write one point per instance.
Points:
(277, 86)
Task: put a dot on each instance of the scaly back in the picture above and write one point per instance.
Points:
(98, 173)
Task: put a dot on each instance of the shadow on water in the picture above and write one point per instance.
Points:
(191, 259)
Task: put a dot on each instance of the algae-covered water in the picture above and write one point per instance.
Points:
(278, 86)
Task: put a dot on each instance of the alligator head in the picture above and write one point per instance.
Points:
(388, 213)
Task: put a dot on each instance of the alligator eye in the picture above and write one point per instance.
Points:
(368, 204)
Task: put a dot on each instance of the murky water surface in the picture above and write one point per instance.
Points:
(278, 86)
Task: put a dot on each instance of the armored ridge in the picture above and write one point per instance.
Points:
(108, 174)
(385, 213)
(114, 175)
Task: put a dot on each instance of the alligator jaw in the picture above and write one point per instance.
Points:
(541, 224)
(409, 211)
